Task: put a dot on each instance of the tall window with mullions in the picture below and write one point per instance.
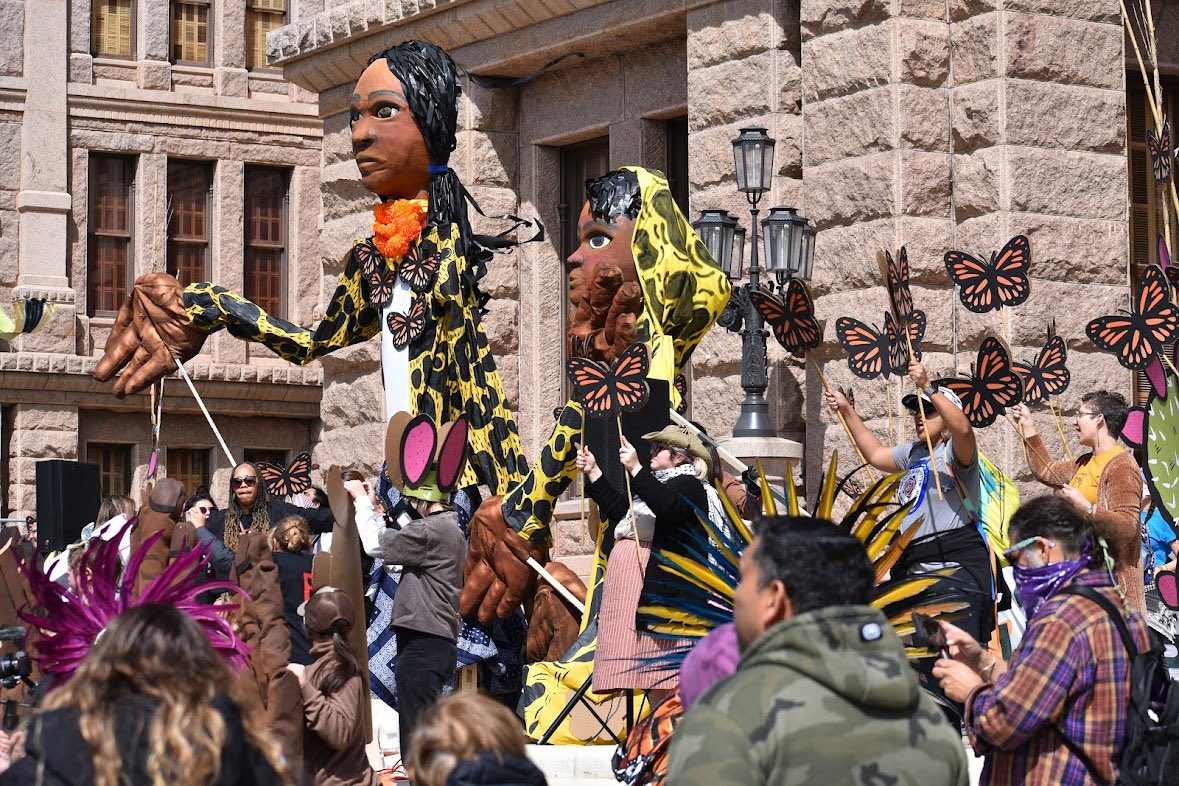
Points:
(109, 264)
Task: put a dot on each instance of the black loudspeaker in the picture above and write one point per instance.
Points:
(68, 495)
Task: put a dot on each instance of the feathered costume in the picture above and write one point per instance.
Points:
(72, 619)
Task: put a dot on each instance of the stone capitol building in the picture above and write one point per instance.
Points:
(210, 139)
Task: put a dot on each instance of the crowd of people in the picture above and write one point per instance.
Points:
(808, 684)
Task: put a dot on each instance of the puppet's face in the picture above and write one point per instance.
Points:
(389, 149)
(602, 244)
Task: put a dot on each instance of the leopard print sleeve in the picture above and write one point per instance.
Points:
(350, 318)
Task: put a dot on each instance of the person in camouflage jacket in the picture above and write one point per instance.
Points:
(823, 693)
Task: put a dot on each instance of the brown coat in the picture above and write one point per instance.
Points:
(1117, 517)
(333, 741)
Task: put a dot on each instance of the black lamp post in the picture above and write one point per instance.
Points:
(789, 246)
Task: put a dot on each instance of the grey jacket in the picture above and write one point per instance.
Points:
(824, 698)
(431, 552)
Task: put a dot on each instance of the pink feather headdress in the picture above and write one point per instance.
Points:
(72, 619)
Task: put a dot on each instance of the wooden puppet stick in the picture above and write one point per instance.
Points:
(937, 483)
(630, 497)
(200, 402)
(1060, 428)
(1158, 118)
(1170, 365)
(842, 420)
(1152, 51)
(888, 405)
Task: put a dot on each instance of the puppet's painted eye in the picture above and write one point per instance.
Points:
(599, 241)
(387, 111)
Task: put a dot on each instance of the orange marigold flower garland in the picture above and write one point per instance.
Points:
(397, 225)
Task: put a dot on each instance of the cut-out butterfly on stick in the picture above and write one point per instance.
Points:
(991, 389)
(294, 478)
(792, 318)
(608, 391)
(1048, 374)
(1160, 153)
(990, 285)
(1137, 336)
(872, 353)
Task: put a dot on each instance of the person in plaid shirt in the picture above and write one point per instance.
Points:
(1070, 674)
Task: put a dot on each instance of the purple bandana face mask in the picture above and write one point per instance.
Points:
(1036, 585)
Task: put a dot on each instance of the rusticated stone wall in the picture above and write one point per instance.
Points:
(936, 132)
(744, 69)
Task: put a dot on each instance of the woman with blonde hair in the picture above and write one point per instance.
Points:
(469, 739)
(290, 541)
(149, 704)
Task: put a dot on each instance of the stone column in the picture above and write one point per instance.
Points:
(151, 214)
(743, 61)
(44, 201)
(39, 431)
(152, 33)
(81, 61)
(227, 248)
(230, 77)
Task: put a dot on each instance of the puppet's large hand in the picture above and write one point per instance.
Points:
(151, 335)
(605, 312)
(497, 576)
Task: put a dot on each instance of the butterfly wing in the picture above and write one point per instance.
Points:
(591, 380)
(629, 378)
(1160, 154)
(1033, 387)
(867, 349)
(681, 385)
(278, 483)
(996, 376)
(1154, 305)
(1009, 274)
(899, 293)
(299, 473)
(974, 404)
(975, 281)
(792, 320)
(418, 267)
(917, 325)
(1125, 336)
(1053, 369)
(898, 350)
(405, 328)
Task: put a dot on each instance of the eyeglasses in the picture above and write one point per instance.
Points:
(1012, 554)
(656, 449)
(1088, 414)
(249, 481)
(204, 509)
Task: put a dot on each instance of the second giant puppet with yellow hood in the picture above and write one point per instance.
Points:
(639, 273)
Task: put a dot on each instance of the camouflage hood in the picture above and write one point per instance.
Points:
(851, 650)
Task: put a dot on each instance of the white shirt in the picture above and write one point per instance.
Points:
(394, 361)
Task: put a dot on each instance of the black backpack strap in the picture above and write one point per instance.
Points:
(1075, 750)
(1119, 620)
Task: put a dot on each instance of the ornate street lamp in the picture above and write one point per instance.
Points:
(789, 248)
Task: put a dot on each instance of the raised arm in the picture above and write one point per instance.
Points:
(873, 449)
(1056, 474)
(955, 420)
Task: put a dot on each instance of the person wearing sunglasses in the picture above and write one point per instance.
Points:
(1104, 484)
(948, 537)
(1066, 687)
(252, 508)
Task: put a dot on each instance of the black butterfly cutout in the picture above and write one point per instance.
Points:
(1135, 338)
(1048, 375)
(419, 266)
(992, 388)
(376, 273)
(1160, 153)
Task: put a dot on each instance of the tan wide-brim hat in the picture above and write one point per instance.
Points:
(680, 438)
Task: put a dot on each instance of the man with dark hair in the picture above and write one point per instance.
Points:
(823, 693)
(1067, 687)
(1104, 485)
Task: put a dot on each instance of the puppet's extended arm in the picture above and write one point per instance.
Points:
(350, 318)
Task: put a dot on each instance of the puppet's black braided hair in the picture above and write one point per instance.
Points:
(430, 79)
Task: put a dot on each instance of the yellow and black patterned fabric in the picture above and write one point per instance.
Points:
(452, 370)
(684, 292)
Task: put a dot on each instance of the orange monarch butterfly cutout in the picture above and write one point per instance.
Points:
(987, 286)
(407, 327)
(1136, 337)
(1047, 375)
(607, 392)
(873, 353)
(419, 266)
(991, 389)
(285, 481)
(792, 319)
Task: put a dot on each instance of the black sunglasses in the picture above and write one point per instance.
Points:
(248, 481)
